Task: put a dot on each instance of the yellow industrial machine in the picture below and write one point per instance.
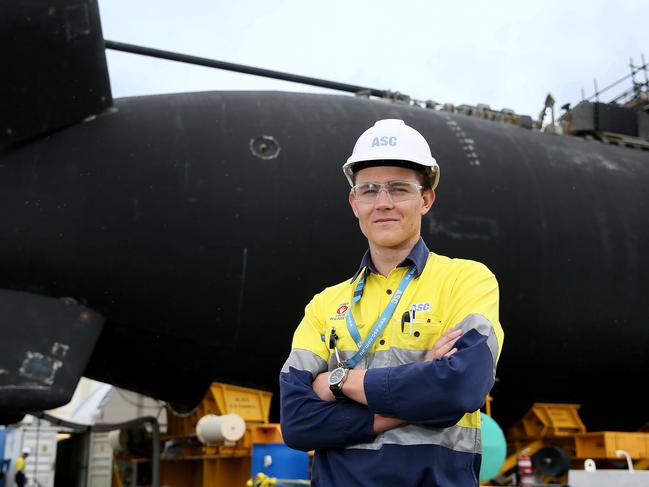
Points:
(189, 462)
(556, 436)
(607, 444)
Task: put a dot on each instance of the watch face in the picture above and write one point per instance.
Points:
(336, 376)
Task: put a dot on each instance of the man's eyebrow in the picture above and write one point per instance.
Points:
(390, 181)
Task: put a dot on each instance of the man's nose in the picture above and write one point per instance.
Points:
(383, 199)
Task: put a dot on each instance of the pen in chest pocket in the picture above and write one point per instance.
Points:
(410, 317)
(407, 317)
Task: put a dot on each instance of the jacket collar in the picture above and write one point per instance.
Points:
(417, 257)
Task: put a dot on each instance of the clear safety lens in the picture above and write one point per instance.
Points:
(397, 190)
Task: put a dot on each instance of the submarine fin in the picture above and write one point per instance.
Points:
(55, 71)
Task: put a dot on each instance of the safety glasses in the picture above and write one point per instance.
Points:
(397, 191)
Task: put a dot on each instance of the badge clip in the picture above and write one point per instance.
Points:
(333, 339)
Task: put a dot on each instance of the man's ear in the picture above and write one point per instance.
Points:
(352, 203)
(429, 198)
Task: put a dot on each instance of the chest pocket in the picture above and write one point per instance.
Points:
(421, 334)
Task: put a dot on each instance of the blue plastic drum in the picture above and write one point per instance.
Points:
(280, 461)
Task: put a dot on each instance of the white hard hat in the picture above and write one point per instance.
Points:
(392, 140)
(27, 451)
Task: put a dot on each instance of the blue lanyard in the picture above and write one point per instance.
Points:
(365, 345)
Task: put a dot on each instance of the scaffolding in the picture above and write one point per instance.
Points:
(635, 97)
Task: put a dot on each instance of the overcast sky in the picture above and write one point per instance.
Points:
(507, 54)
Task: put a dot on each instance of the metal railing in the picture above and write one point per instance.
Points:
(638, 89)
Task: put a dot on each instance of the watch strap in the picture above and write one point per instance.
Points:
(337, 391)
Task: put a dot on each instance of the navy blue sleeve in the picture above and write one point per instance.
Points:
(309, 423)
(436, 393)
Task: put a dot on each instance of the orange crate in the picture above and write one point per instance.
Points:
(604, 444)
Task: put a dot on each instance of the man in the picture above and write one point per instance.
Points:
(388, 370)
(20, 478)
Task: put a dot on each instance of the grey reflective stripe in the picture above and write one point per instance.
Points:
(381, 358)
(344, 355)
(483, 326)
(456, 438)
(304, 360)
(400, 356)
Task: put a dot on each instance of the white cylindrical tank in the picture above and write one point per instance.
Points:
(214, 429)
(116, 440)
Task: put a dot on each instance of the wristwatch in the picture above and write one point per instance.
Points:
(336, 380)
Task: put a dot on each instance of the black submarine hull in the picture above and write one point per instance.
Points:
(200, 224)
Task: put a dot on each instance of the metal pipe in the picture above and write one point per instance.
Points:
(155, 430)
(36, 448)
(240, 68)
(85, 468)
(621, 96)
(625, 454)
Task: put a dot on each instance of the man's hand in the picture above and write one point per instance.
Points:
(321, 387)
(445, 346)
